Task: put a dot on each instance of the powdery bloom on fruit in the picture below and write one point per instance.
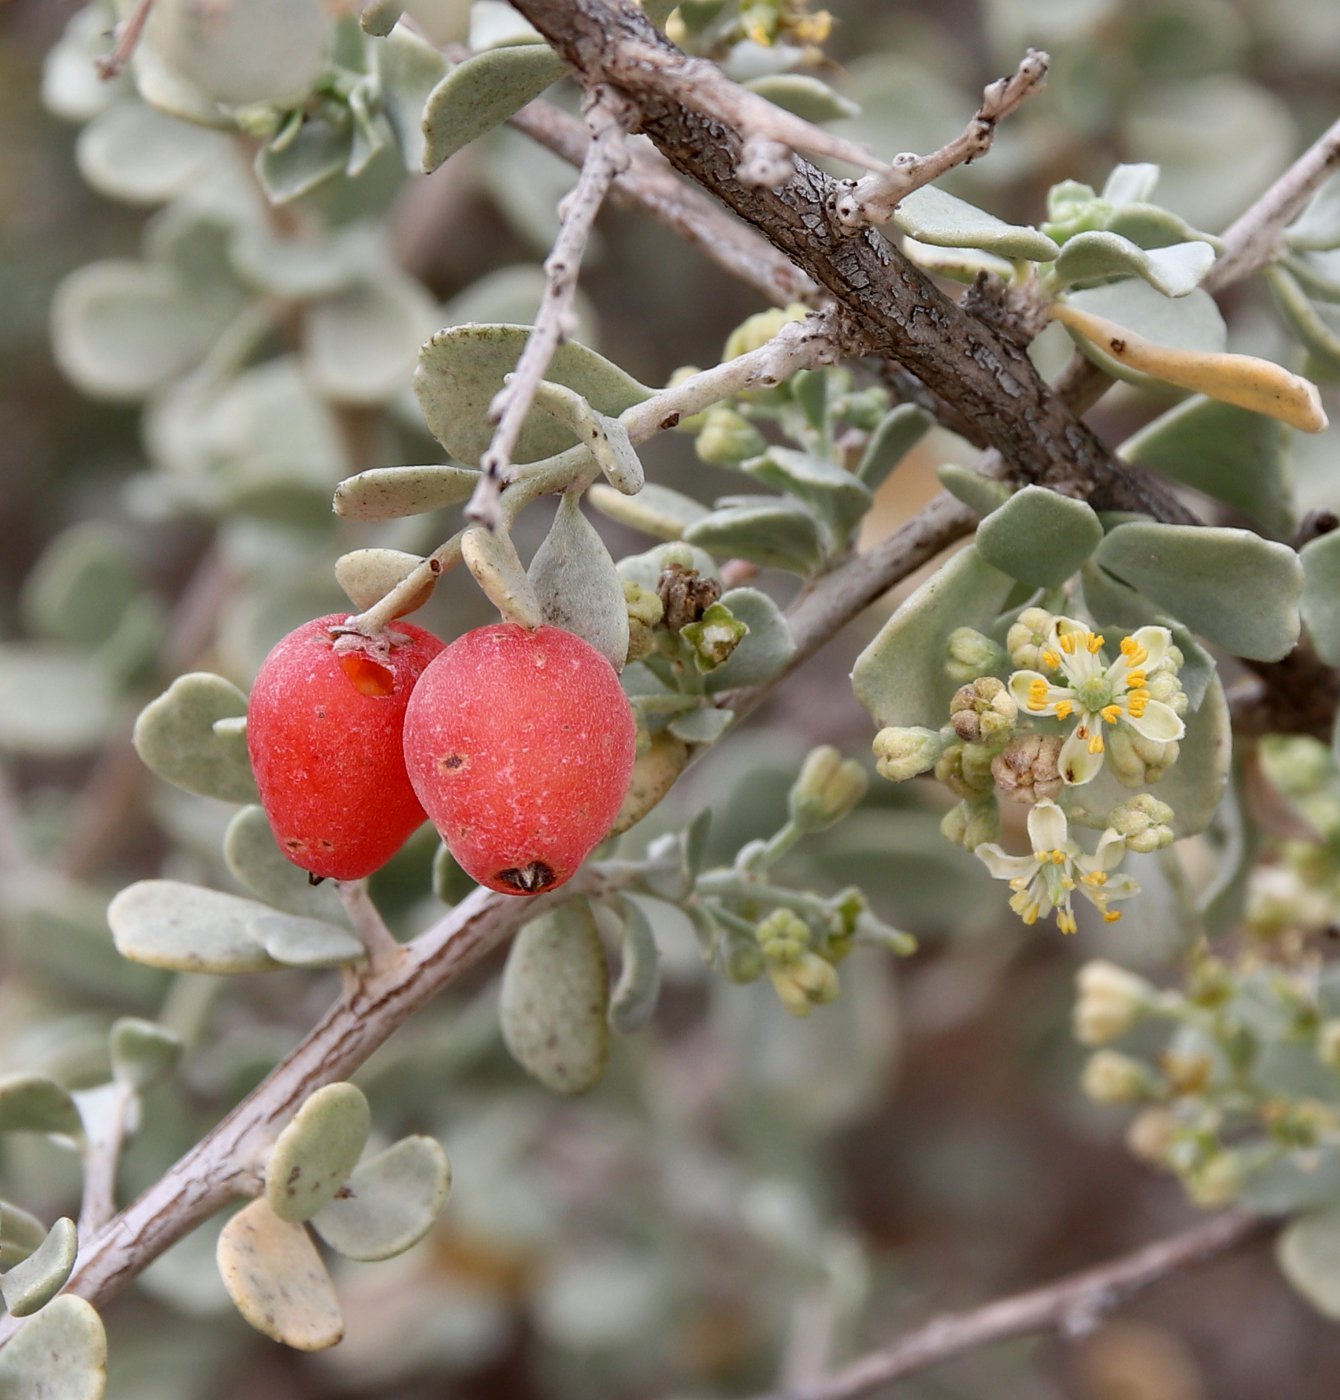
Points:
(1083, 686)
(1047, 880)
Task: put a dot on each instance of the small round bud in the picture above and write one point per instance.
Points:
(1144, 822)
(1028, 769)
(645, 610)
(1165, 687)
(1136, 760)
(783, 937)
(760, 328)
(1111, 1000)
(1328, 1044)
(727, 439)
(828, 787)
(808, 982)
(904, 753)
(970, 823)
(1028, 636)
(970, 654)
(1215, 1182)
(965, 769)
(1151, 1134)
(1110, 1077)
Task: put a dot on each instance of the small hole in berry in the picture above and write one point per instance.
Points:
(527, 879)
(367, 676)
(451, 762)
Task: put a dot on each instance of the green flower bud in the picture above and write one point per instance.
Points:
(970, 654)
(1151, 1134)
(1136, 760)
(1328, 1044)
(742, 961)
(1027, 637)
(1144, 822)
(758, 329)
(783, 936)
(1074, 208)
(1215, 1182)
(1166, 687)
(1111, 1000)
(983, 712)
(828, 787)
(970, 823)
(727, 438)
(645, 610)
(904, 753)
(714, 636)
(805, 984)
(1110, 1077)
(965, 769)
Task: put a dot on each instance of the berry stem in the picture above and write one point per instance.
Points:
(382, 948)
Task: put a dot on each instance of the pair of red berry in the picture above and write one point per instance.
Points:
(518, 746)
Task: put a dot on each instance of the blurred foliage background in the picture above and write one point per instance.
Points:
(742, 1187)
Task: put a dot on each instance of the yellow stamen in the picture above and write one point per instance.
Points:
(1095, 877)
(1065, 921)
(1018, 883)
(1094, 642)
(1037, 694)
(1136, 702)
(1064, 709)
(1136, 681)
(1096, 744)
(1112, 915)
(1058, 857)
(1030, 915)
(1050, 660)
(1110, 713)
(1066, 641)
(1067, 883)
(1133, 651)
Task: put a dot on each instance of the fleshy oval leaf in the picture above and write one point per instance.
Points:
(1039, 537)
(838, 496)
(184, 737)
(253, 855)
(1245, 380)
(705, 725)
(36, 1281)
(54, 700)
(386, 493)
(408, 69)
(277, 1281)
(483, 92)
(20, 1234)
(80, 587)
(1229, 453)
(1183, 569)
(1192, 322)
(1308, 1252)
(491, 557)
(135, 153)
(958, 264)
(316, 1153)
(765, 530)
(61, 1354)
(982, 494)
(931, 216)
(368, 575)
(1098, 255)
(316, 151)
(655, 771)
(1308, 321)
(360, 343)
(655, 510)
(186, 928)
(463, 367)
(143, 1052)
(555, 993)
(635, 993)
(1321, 595)
(300, 942)
(33, 1103)
(577, 584)
(900, 677)
(390, 1203)
(895, 435)
(806, 96)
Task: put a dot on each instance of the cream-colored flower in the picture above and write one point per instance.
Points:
(1082, 685)
(1058, 869)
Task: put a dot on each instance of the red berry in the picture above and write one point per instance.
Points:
(520, 745)
(323, 728)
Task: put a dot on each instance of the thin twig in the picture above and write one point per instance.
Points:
(873, 198)
(1253, 239)
(381, 944)
(107, 1122)
(127, 37)
(1071, 1306)
(607, 117)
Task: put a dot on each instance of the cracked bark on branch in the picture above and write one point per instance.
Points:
(892, 305)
